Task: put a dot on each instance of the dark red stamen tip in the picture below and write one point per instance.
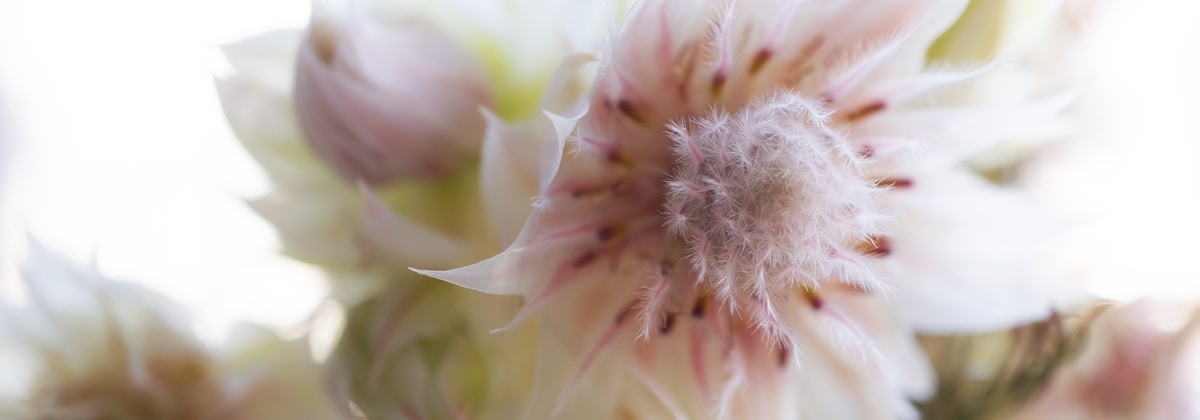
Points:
(760, 60)
(894, 183)
(626, 107)
(668, 324)
(718, 83)
(699, 307)
(606, 233)
(875, 246)
(585, 259)
(867, 110)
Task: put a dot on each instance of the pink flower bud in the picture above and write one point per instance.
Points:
(384, 102)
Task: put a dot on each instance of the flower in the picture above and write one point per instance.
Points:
(1138, 363)
(746, 212)
(751, 184)
(105, 349)
(355, 84)
(365, 236)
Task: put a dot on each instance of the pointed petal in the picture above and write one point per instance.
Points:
(951, 135)
(552, 150)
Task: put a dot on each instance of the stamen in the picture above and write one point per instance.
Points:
(699, 307)
(584, 259)
(630, 110)
(718, 83)
(784, 354)
(760, 60)
(866, 110)
(606, 233)
(894, 183)
(875, 246)
(668, 323)
(814, 299)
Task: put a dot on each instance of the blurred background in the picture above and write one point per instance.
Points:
(118, 152)
(115, 150)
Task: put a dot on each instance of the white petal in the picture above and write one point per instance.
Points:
(963, 254)
(951, 135)
(509, 173)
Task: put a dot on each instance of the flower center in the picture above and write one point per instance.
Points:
(768, 199)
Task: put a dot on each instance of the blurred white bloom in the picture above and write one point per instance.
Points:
(105, 349)
(1140, 362)
(411, 344)
(384, 102)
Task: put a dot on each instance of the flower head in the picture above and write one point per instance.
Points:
(105, 349)
(747, 216)
(385, 102)
(769, 200)
(724, 199)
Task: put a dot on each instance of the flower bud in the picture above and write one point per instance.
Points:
(384, 102)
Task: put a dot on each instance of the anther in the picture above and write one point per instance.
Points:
(875, 246)
(894, 183)
(699, 307)
(760, 60)
(718, 83)
(585, 259)
(626, 107)
(866, 110)
(668, 324)
(606, 233)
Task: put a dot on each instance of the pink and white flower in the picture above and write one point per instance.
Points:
(761, 202)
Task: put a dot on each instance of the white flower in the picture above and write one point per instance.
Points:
(716, 226)
(106, 349)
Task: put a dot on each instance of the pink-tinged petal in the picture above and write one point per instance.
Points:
(949, 136)
(521, 268)
(890, 94)
(510, 174)
(552, 151)
(934, 17)
(402, 242)
(857, 66)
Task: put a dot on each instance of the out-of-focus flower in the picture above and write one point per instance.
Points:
(766, 188)
(104, 349)
(384, 102)
(989, 375)
(1140, 362)
(411, 344)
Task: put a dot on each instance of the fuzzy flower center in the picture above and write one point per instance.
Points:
(768, 199)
